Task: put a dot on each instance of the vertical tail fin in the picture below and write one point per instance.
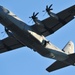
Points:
(69, 48)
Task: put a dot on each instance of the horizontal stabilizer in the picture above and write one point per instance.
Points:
(56, 65)
(72, 57)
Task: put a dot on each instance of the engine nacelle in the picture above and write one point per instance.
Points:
(53, 15)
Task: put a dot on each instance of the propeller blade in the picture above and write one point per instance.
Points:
(51, 9)
(43, 11)
(46, 6)
(30, 17)
(2, 32)
(33, 13)
(30, 21)
(44, 14)
(50, 6)
(36, 13)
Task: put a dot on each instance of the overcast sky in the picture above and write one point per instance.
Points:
(24, 61)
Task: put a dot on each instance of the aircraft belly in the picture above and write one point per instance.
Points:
(57, 55)
(28, 38)
(24, 36)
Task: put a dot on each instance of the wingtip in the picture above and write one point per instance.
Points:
(48, 69)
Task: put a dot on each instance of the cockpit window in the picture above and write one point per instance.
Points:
(4, 9)
(7, 11)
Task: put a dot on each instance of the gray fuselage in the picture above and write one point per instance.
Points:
(28, 37)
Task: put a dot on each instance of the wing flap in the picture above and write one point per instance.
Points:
(56, 65)
(9, 44)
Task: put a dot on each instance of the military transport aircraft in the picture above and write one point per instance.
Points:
(20, 34)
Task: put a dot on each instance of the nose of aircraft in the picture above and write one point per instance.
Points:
(3, 10)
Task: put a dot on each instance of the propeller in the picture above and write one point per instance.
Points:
(48, 9)
(33, 17)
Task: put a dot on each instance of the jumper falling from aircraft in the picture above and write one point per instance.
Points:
(20, 34)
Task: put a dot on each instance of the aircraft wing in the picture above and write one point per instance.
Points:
(51, 24)
(9, 44)
(56, 65)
